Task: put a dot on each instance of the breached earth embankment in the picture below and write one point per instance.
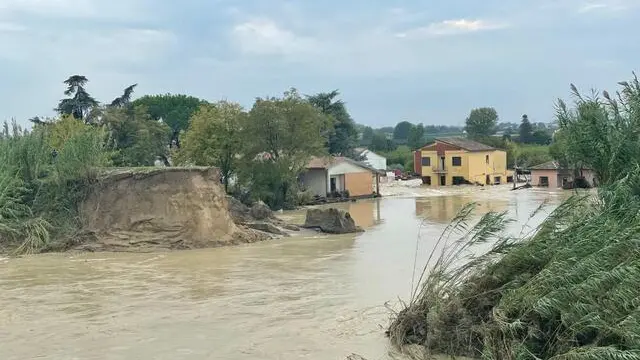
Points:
(160, 209)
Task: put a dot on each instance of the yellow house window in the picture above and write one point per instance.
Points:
(456, 161)
(486, 159)
(426, 161)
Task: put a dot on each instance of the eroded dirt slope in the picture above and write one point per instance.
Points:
(160, 208)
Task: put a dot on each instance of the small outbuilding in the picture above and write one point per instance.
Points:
(553, 175)
(325, 176)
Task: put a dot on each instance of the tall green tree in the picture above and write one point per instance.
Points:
(343, 137)
(481, 122)
(79, 102)
(139, 139)
(124, 99)
(401, 131)
(526, 130)
(416, 136)
(380, 142)
(175, 110)
(280, 136)
(367, 136)
(541, 137)
(214, 138)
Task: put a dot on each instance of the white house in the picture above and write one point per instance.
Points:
(327, 175)
(372, 159)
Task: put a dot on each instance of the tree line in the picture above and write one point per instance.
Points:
(526, 143)
(277, 135)
(260, 150)
(483, 122)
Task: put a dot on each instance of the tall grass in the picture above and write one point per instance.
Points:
(571, 290)
(39, 192)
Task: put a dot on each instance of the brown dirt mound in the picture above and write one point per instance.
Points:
(160, 208)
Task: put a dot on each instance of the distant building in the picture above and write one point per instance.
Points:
(327, 175)
(552, 175)
(372, 159)
(456, 160)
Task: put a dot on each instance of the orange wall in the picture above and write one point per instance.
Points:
(359, 184)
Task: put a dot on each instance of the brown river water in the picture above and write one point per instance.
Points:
(319, 297)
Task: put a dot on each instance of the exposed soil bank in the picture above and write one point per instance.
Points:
(160, 208)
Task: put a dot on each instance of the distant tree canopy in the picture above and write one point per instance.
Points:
(482, 122)
(82, 106)
(380, 142)
(124, 99)
(175, 110)
(541, 137)
(367, 136)
(526, 130)
(79, 103)
(416, 136)
(343, 135)
(136, 139)
(401, 131)
(139, 139)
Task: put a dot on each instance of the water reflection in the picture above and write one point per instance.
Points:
(366, 213)
(443, 209)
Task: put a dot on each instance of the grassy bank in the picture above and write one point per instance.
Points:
(570, 290)
(44, 174)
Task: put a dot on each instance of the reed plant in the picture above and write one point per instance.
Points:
(42, 185)
(568, 290)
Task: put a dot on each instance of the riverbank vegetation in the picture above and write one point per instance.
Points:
(568, 290)
(40, 187)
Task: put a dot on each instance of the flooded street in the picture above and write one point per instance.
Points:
(318, 297)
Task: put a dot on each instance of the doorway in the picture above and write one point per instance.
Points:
(443, 180)
(488, 180)
(336, 183)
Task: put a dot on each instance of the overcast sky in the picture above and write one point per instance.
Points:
(421, 61)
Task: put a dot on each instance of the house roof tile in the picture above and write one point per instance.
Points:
(327, 161)
(466, 144)
(549, 165)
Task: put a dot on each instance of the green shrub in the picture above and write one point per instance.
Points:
(40, 189)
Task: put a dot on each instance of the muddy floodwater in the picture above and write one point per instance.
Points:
(319, 297)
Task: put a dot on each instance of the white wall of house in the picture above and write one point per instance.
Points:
(374, 160)
(345, 167)
(315, 180)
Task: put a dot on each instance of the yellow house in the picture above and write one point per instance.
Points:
(455, 161)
